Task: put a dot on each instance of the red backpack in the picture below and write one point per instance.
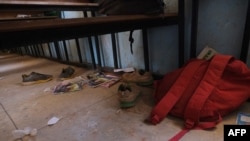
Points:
(202, 92)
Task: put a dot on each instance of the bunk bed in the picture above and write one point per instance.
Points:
(15, 33)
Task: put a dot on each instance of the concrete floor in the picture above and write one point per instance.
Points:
(92, 114)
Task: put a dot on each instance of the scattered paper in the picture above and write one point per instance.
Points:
(53, 121)
(124, 70)
(69, 87)
(96, 79)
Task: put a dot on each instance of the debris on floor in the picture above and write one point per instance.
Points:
(124, 70)
(70, 85)
(95, 79)
(27, 131)
(53, 121)
(111, 80)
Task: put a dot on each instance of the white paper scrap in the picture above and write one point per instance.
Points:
(53, 120)
(125, 70)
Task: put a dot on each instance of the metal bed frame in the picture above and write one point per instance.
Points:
(17, 33)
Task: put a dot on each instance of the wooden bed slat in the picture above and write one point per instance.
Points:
(37, 31)
(18, 5)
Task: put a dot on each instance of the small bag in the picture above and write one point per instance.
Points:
(123, 7)
(202, 92)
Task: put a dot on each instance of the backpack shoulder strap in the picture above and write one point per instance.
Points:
(173, 95)
(197, 101)
(205, 88)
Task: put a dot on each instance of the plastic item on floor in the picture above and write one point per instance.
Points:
(27, 131)
(34, 78)
(53, 121)
(18, 134)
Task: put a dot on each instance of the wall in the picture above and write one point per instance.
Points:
(221, 25)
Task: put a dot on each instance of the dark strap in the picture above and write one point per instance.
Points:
(131, 40)
(173, 95)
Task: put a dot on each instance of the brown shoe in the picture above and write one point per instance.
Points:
(128, 95)
(139, 77)
(34, 78)
(67, 73)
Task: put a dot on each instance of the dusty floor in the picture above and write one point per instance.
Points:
(92, 114)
